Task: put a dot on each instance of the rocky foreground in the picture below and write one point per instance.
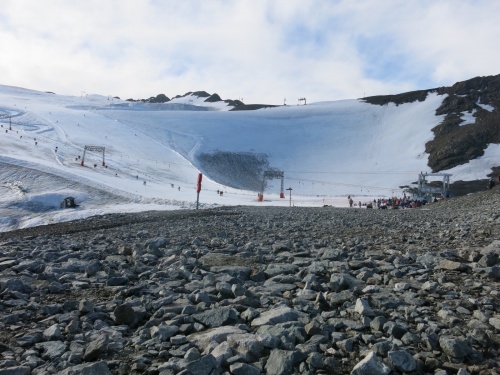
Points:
(248, 291)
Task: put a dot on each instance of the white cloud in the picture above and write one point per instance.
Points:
(258, 50)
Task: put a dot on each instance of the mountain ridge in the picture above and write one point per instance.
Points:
(456, 141)
(237, 104)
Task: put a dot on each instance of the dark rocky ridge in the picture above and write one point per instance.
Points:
(454, 144)
(257, 290)
(211, 98)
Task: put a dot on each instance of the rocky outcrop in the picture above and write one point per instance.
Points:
(160, 98)
(213, 98)
(237, 105)
(455, 141)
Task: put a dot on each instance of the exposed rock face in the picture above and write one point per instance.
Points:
(202, 94)
(213, 98)
(237, 105)
(456, 142)
(260, 290)
(160, 98)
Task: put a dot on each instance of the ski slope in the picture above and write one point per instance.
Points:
(327, 150)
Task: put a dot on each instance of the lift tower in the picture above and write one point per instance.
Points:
(271, 175)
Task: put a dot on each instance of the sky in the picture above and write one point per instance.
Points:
(258, 51)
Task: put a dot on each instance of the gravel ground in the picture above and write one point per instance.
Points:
(256, 290)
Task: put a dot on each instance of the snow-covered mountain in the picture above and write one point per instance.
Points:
(154, 151)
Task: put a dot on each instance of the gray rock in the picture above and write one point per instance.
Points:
(334, 254)
(51, 349)
(218, 335)
(248, 345)
(202, 366)
(371, 365)
(154, 245)
(72, 326)
(280, 362)
(268, 340)
(345, 345)
(97, 368)
(430, 286)
(93, 267)
(34, 266)
(52, 333)
(217, 317)
(362, 307)
(163, 332)
(402, 360)
(124, 314)
(344, 281)
(117, 281)
(16, 370)
(275, 269)
(493, 272)
(224, 288)
(237, 290)
(315, 360)
(30, 339)
(7, 264)
(222, 352)
(243, 369)
(382, 348)
(86, 307)
(488, 260)
(313, 328)
(277, 315)
(451, 265)
(394, 329)
(16, 285)
(410, 338)
(495, 322)
(455, 347)
(240, 272)
(95, 348)
(377, 324)
(178, 339)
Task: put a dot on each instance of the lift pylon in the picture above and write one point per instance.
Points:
(94, 149)
(271, 175)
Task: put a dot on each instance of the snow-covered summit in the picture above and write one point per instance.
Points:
(154, 152)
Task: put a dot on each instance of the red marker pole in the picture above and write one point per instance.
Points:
(198, 189)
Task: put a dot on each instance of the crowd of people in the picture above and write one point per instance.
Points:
(404, 202)
(393, 202)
